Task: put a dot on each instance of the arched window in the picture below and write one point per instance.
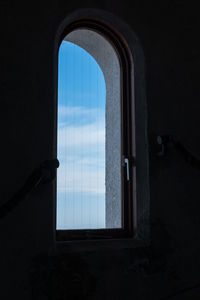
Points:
(96, 144)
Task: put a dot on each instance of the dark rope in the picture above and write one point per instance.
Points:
(165, 140)
(182, 291)
(45, 173)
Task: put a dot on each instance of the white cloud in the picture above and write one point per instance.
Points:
(77, 110)
(81, 150)
(73, 178)
(80, 136)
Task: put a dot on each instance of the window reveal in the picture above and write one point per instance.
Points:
(94, 149)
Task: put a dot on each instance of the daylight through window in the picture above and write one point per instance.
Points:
(89, 181)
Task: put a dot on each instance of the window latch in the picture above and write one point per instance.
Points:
(126, 161)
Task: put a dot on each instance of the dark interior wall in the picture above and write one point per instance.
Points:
(29, 268)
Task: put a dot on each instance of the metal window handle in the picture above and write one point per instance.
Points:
(126, 161)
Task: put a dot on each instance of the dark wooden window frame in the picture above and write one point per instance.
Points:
(128, 229)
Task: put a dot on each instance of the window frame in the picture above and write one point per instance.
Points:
(127, 136)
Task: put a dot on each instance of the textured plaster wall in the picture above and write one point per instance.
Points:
(170, 265)
(106, 57)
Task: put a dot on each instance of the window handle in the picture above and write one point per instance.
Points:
(126, 161)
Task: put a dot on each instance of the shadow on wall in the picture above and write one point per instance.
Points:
(61, 277)
(71, 276)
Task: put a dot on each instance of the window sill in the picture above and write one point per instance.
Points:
(99, 245)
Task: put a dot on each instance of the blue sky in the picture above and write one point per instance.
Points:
(81, 140)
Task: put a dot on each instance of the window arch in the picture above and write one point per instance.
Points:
(121, 205)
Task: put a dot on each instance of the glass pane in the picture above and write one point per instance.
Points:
(89, 139)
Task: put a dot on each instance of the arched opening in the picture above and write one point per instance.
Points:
(127, 215)
(89, 133)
